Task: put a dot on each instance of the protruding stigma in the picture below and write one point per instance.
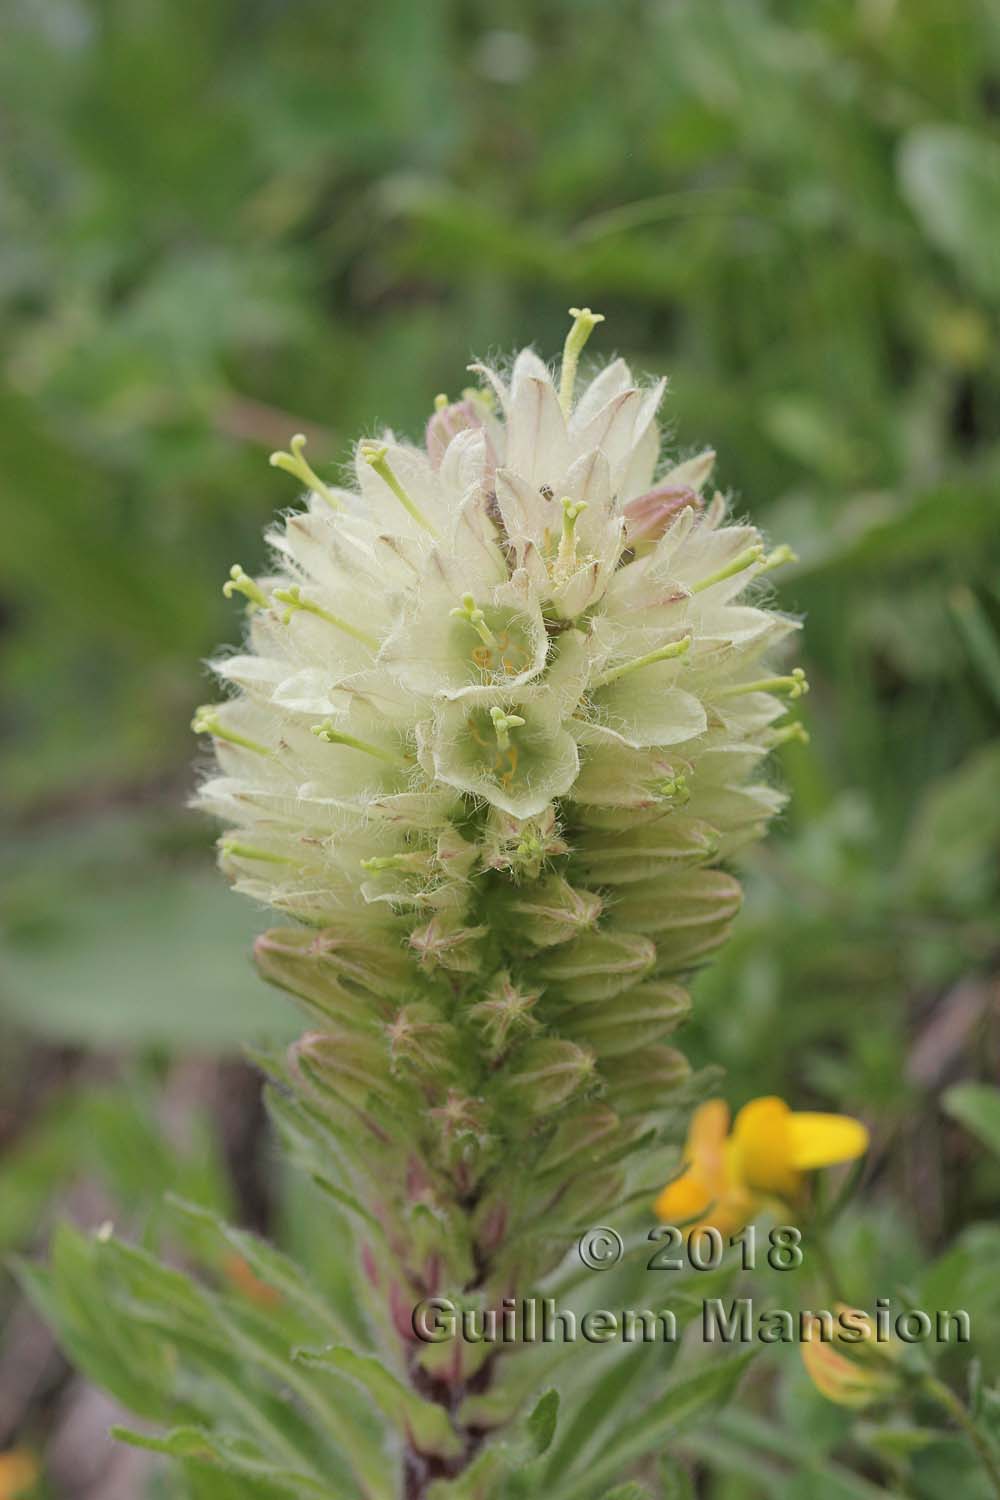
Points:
(778, 557)
(503, 724)
(572, 511)
(241, 583)
(794, 684)
(376, 454)
(292, 597)
(206, 721)
(331, 736)
(469, 610)
(787, 734)
(738, 564)
(249, 851)
(675, 648)
(584, 323)
(296, 464)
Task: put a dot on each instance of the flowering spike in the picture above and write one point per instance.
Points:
(293, 598)
(241, 583)
(738, 564)
(503, 724)
(206, 721)
(794, 684)
(296, 464)
(375, 455)
(331, 736)
(468, 610)
(494, 893)
(663, 653)
(584, 323)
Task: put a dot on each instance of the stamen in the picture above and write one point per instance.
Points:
(247, 851)
(675, 648)
(795, 685)
(375, 454)
(413, 860)
(739, 562)
(780, 555)
(207, 721)
(503, 724)
(788, 733)
(296, 464)
(675, 787)
(440, 401)
(241, 583)
(572, 510)
(331, 736)
(293, 598)
(468, 610)
(584, 323)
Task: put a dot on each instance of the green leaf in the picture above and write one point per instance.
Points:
(951, 179)
(267, 1263)
(424, 1422)
(682, 1405)
(541, 1424)
(103, 943)
(234, 1455)
(977, 1107)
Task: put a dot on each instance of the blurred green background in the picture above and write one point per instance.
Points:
(224, 221)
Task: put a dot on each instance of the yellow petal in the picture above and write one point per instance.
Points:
(18, 1474)
(762, 1154)
(818, 1140)
(837, 1378)
(681, 1200)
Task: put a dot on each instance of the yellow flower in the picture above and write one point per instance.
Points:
(18, 1474)
(849, 1380)
(730, 1173)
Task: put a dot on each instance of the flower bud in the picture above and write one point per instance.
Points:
(853, 1379)
(423, 1044)
(597, 965)
(607, 857)
(583, 1138)
(551, 911)
(446, 423)
(505, 1014)
(640, 1082)
(445, 943)
(545, 1074)
(335, 974)
(648, 516)
(642, 1016)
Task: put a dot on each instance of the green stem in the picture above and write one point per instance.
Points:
(945, 1396)
(818, 1244)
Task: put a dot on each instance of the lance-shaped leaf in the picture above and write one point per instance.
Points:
(422, 1423)
(232, 1455)
(679, 1407)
